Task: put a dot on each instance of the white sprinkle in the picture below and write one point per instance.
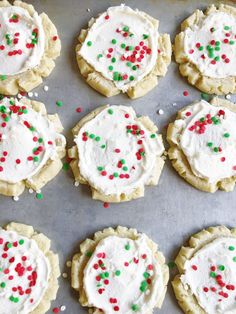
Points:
(63, 308)
(30, 94)
(15, 198)
(174, 104)
(68, 263)
(160, 112)
(31, 191)
(64, 275)
(36, 94)
(19, 96)
(46, 88)
(76, 183)
(228, 96)
(88, 10)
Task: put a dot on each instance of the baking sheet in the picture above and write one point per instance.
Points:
(169, 213)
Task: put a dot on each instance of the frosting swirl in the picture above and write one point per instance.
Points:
(210, 45)
(123, 276)
(117, 153)
(22, 40)
(121, 44)
(24, 273)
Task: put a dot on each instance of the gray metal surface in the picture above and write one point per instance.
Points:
(169, 213)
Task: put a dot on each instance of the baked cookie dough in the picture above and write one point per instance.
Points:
(29, 44)
(120, 271)
(116, 153)
(29, 271)
(31, 146)
(207, 282)
(122, 51)
(205, 49)
(203, 144)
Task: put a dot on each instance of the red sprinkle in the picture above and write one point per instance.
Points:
(106, 205)
(79, 109)
(185, 93)
(56, 310)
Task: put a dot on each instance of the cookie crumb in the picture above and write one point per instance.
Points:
(160, 112)
(228, 96)
(36, 95)
(64, 275)
(15, 198)
(30, 94)
(68, 264)
(31, 191)
(76, 183)
(46, 88)
(88, 10)
(174, 104)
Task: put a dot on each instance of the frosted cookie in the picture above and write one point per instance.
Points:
(207, 283)
(116, 153)
(29, 271)
(203, 144)
(120, 271)
(31, 146)
(29, 44)
(205, 49)
(122, 51)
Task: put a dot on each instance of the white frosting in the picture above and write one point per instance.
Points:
(23, 265)
(211, 154)
(212, 31)
(116, 145)
(16, 34)
(19, 136)
(112, 25)
(115, 273)
(210, 275)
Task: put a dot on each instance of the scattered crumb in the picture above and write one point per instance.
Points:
(76, 183)
(174, 104)
(64, 275)
(15, 198)
(88, 10)
(228, 96)
(68, 264)
(46, 88)
(31, 191)
(36, 95)
(160, 112)
(63, 308)
(30, 94)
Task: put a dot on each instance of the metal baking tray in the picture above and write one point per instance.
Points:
(170, 212)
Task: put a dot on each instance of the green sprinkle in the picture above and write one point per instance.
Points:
(3, 77)
(153, 135)
(97, 138)
(131, 78)
(89, 43)
(110, 111)
(231, 42)
(134, 68)
(205, 96)
(36, 158)
(110, 68)
(122, 161)
(129, 64)
(209, 144)
(234, 258)
(131, 48)
(34, 41)
(102, 275)
(145, 36)
(171, 264)
(217, 58)
(9, 245)
(134, 307)
(200, 48)
(115, 174)
(212, 274)
(216, 149)
(59, 103)
(39, 196)
(217, 43)
(217, 48)
(3, 285)
(123, 45)
(91, 136)
(100, 168)
(202, 119)
(146, 275)
(7, 119)
(125, 168)
(221, 267)
(115, 76)
(127, 247)
(99, 55)
(231, 248)
(226, 135)
(117, 272)
(211, 54)
(66, 166)
(89, 254)
(226, 28)
(106, 274)
(21, 242)
(114, 41)
(125, 28)
(40, 140)
(113, 60)
(103, 146)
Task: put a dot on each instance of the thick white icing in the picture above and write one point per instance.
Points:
(110, 26)
(22, 265)
(110, 130)
(18, 141)
(204, 161)
(115, 273)
(17, 33)
(212, 31)
(210, 275)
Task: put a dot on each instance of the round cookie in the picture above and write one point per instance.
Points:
(122, 51)
(31, 146)
(29, 270)
(205, 49)
(116, 153)
(206, 282)
(29, 44)
(120, 271)
(202, 144)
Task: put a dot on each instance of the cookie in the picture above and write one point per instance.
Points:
(31, 146)
(205, 49)
(29, 44)
(120, 271)
(122, 51)
(206, 282)
(116, 153)
(202, 144)
(29, 270)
